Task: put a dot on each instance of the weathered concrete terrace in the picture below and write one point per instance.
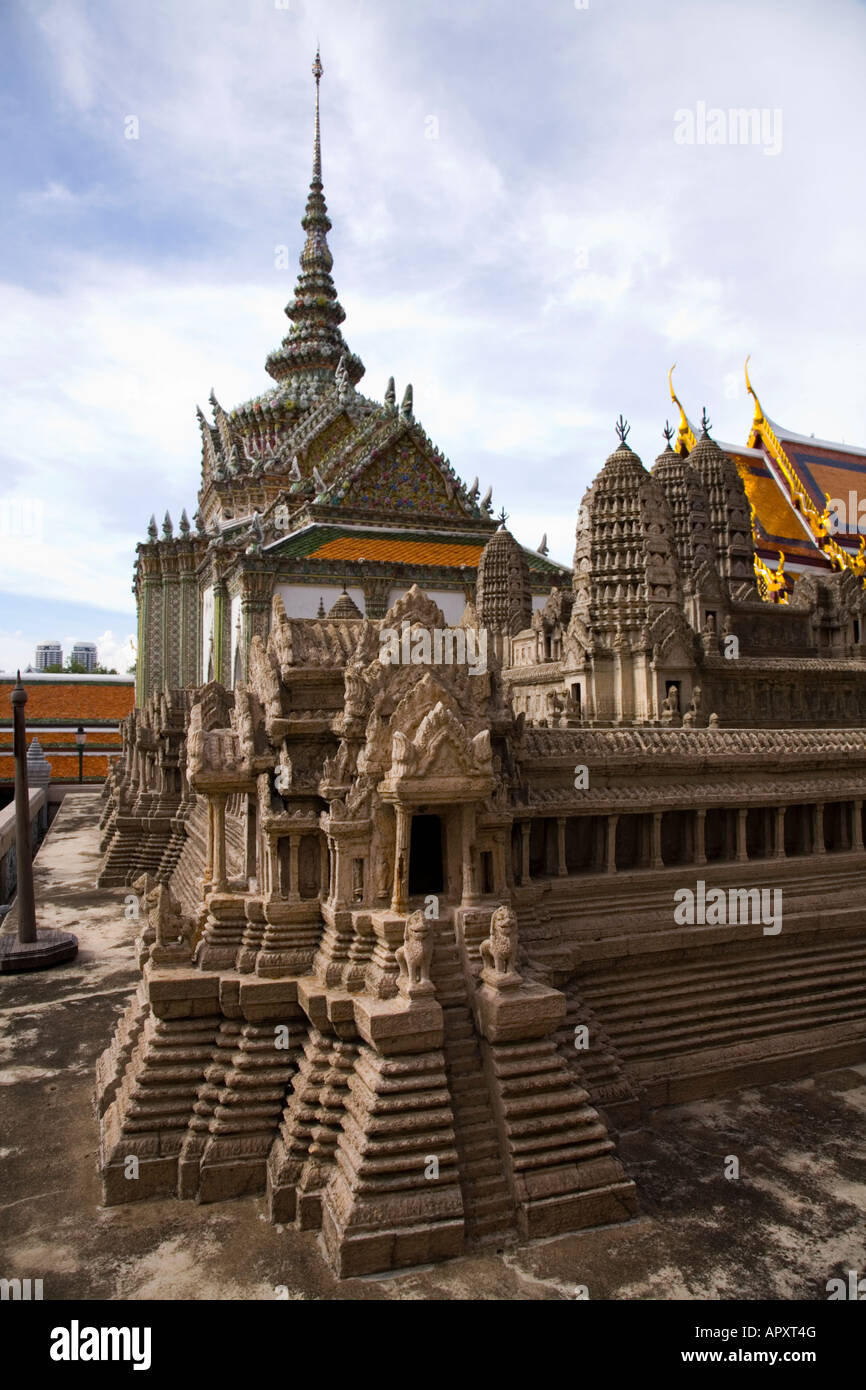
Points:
(795, 1217)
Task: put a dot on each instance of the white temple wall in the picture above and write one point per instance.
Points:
(302, 600)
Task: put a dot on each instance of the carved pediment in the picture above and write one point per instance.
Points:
(441, 748)
(672, 640)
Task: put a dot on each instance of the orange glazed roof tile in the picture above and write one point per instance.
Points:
(398, 551)
(79, 699)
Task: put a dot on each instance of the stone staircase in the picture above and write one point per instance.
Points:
(488, 1204)
(598, 1068)
(693, 1026)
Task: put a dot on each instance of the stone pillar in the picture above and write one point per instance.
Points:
(220, 879)
(561, 867)
(268, 852)
(742, 848)
(779, 848)
(857, 826)
(399, 900)
(700, 854)
(208, 868)
(250, 838)
(501, 863)
(324, 867)
(656, 861)
(610, 852)
(818, 846)
(294, 884)
(525, 831)
(469, 887)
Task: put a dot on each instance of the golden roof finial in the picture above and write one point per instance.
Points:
(685, 435)
(759, 414)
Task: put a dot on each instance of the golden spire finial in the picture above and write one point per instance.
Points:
(685, 437)
(759, 414)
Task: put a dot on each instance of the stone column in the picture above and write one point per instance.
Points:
(324, 867)
(469, 887)
(818, 846)
(656, 861)
(700, 854)
(220, 880)
(401, 860)
(525, 831)
(561, 868)
(610, 851)
(779, 849)
(501, 862)
(267, 849)
(742, 848)
(857, 826)
(208, 868)
(250, 838)
(294, 884)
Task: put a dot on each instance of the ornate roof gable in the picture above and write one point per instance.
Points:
(402, 472)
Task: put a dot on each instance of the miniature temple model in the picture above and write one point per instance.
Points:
(409, 958)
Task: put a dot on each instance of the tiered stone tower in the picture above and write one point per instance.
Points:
(730, 514)
(625, 583)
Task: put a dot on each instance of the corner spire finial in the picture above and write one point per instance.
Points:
(759, 414)
(685, 436)
(317, 143)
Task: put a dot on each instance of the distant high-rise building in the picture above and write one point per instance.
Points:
(84, 655)
(48, 654)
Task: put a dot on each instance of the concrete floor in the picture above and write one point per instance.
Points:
(794, 1218)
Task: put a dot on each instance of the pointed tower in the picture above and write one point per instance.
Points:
(503, 595)
(730, 513)
(625, 583)
(307, 360)
(690, 506)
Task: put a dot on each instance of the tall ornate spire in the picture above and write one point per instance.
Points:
(308, 357)
(317, 143)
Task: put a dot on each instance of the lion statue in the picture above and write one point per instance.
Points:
(499, 951)
(415, 955)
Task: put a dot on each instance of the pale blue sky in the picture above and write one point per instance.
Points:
(533, 271)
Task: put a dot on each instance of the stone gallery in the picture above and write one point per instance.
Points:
(411, 813)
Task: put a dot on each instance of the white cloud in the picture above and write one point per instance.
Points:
(533, 271)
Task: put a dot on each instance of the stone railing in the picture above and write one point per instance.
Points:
(8, 847)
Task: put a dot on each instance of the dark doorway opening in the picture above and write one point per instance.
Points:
(425, 856)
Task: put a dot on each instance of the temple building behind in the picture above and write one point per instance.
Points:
(453, 863)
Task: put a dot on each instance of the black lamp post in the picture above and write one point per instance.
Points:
(28, 950)
(80, 739)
